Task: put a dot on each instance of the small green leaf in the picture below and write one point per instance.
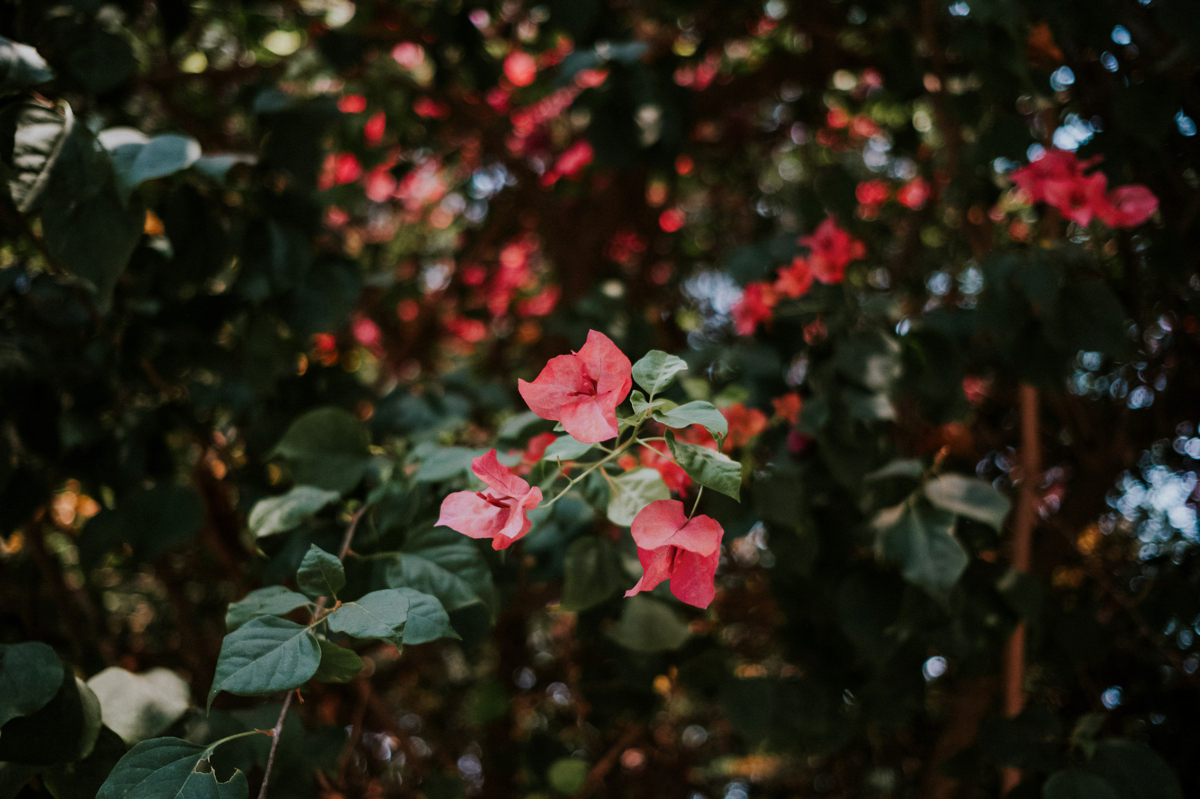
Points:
(320, 574)
(567, 775)
(283, 513)
(274, 600)
(633, 491)
(427, 619)
(264, 655)
(338, 664)
(328, 448)
(696, 412)
(447, 463)
(656, 370)
(647, 625)
(379, 614)
(639, 402)
(169, 767)
(137, 158)
(708, 467)
(566, 448)
(969, 496)
(591, 573)
(920, 539)
(30, 675)
(1076, 783)
(140, 706)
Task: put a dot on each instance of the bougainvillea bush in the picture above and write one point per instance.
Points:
(473, 399)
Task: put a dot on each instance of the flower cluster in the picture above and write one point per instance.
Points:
(830, 251)
(582, 391)
(1060, 180)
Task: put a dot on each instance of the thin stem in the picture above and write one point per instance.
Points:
(228, 738)
(617, 450)
(696, 504)
(316, 617)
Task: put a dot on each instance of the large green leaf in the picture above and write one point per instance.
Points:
(170, 768)
(37, 134)
(633, 491)
(591, 572)
(1134, 770)
(81, 779)
(427, 619)
(328, 448)
(696, 412)
(30, 676)
(970, 497)
(63, 729)
(264, 655)
(1076, 783)
(274, 600)
(446, 463)
(647, 625)
(286, 512)
(140, 706)
(656, 370)
(320, 574)
(566, 448)
(88, 230)
(708, 467)
(454, 572)
(21, 66)
(921, 541)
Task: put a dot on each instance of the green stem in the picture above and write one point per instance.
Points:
(616, 450)
(696, 504)
(212, 746)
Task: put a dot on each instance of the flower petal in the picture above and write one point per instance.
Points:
(702, 535)
(470, 514)
(559, 382)
(657, 523)
(588, 421)
(498, 476)
(608, 366)
(656, 567)
(692, 577)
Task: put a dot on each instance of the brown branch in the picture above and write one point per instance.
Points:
(599, 771)
(1023, 523)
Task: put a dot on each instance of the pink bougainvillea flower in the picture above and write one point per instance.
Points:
(671, 546)
(795, 279)
(914, 194)
(755, 306)
(1078, 197)
(582, 390)
(1128, 206)
(832, 249)
(499, 511)
(374, 129)
(1054, 165)
(520, 68)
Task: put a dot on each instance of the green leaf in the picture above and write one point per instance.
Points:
(432, 572)
(446, 463)
(30, 676)
(647, 625)
(708, 467)
(320, 574)
(265, 655)
(656, 370)
(592, 573)
(566, 448)
(274, 600)
(37, 134)
(21, 67)
(379, 614)
(283, 513)
(872, 360)
(639, 402)
(1134, 771)
(63, 729)
(633, 491)
(14, 777)
(902, 468)
(137, 158)
(1075, 783)
(81, 779)
(695, 412)
(170, 767)
(970, 497)
(89, 231)
(217, 167)
(399, 615)
(140, 706)
(328, 448)
(514, 427)
(338, 664)
(921, 541)
(567, 775)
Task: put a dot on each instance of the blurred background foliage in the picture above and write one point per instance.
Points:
(224, 215)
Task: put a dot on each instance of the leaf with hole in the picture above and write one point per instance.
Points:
(170, 767)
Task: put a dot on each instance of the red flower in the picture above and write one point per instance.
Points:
(582, 390)
(1128, 206)
(744, 423)
(1055, 165)
(795, 280)
(788, 407)
(352, 104)
(497, 512)
(755, 306)
(832, 249)
(872, 192)
(670, 546)
(373, 130)
(520, 68)
(1077, 197)
(914, 194)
